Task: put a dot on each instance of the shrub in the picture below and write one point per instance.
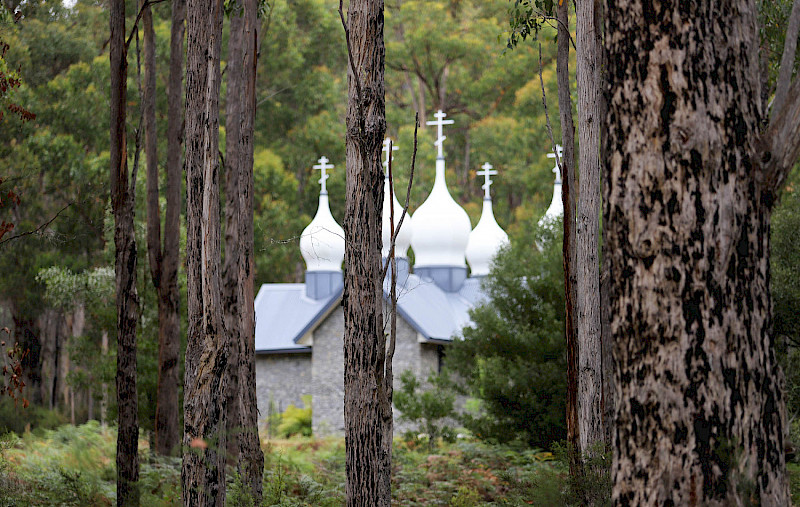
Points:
(428, 409)
(296, 421)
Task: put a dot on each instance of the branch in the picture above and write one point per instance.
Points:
(146, 4)
(41, 227)
(362, 119)
(396, 232)
(787, 61)
(779, 146)
(547, 116)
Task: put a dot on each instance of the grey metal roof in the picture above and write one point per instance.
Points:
(284, 313)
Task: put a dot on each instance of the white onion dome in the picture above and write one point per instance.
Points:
(441, 227)
(322, 241)
(404, 236)
(488, 237)
(556, 209)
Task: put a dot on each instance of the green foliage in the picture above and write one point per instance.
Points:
(526, 18)
(296, 421)
(14, 418)
(429, 409)
(513, 359)
(74, 466)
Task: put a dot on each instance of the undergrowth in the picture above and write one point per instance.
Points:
(75, 466)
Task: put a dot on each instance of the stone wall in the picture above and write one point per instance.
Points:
(328, 370)
(283, 379)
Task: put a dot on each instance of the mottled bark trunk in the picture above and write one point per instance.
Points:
(122, 203)
(587, 225)
(368, 464)
(700, 408)
(169, 327)
(568, 198)
(203, 473)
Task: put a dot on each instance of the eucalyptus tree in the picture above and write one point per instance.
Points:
(204, 402)
(367, 393)
(122, 204)
(163, 254)
(238, 269)
(694, 170)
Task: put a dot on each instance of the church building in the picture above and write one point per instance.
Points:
(300, 326)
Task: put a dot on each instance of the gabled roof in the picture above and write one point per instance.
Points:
(284, 314)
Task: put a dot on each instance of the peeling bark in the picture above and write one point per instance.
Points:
(700, 417)
(367, 409)
(204, 443)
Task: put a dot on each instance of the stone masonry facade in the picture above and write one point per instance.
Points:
(284, 378)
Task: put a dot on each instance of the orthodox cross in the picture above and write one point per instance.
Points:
(386, 143)
(487, 174)
(323, 166)
(439, 122)
(556, 169)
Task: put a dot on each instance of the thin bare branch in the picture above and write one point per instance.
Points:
(546, 114)
(787, 61)
(361, 117)
(135, 26)
(40, 228)
(396, 231)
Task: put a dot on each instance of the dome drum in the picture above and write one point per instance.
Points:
(448, 278)
(321, 284)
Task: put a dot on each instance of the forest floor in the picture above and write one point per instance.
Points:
(74, 465)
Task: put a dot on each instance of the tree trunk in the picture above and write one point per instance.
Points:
(239, 264)
(568, 198)
(251, 458)
(169, 327)
(231, 307)
(587, 227)
(700, 411)
(368, 464)
(204, 402)
(127, 300)
(607, 355)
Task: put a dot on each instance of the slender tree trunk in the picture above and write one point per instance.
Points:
(239, 264)
(122, 203)
(104, 386)
(587, 227)
(231, 306)
(607, 344)
(204, 402)
(700, 413)
(167, 434)
(607, 353)
(251, 458)
(568, 198)
(368, 464)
